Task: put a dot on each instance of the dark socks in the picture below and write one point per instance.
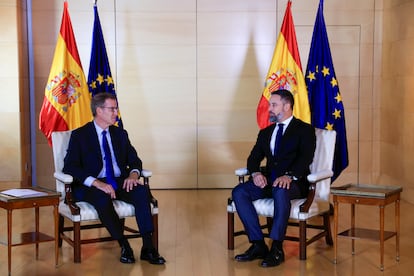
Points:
(260, 242)
(277, 245)
(147, 241)
(123, 242)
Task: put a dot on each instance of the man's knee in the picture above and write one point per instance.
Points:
(280, 193)
(237, 192)
(104, 203)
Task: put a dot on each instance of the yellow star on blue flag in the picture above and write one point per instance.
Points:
(327, 109)
(99, 76)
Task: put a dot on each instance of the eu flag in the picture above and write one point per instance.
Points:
(327, 109)
(100, 77)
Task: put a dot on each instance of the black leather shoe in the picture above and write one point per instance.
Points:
(255, 251)
(127, 255)
(152, 256)
(274, 258)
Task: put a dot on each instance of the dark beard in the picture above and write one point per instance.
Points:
(273, 119)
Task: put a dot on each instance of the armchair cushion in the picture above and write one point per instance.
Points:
(88, 212)
(264, 207)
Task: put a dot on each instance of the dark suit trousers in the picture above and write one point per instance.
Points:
(244, 194)
(104, 206)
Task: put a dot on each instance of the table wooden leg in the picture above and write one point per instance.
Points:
(37, 230)
(353, 227)
(397, 228)
(382, 237)
(335, 231)
(56, 216)
(365, 198)
(9, 239)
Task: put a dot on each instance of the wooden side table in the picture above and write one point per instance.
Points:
(367, 195)
(44, 198)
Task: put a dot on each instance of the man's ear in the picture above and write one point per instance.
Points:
(98, 110)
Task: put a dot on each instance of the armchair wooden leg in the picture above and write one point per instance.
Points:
(230, 230)
(302, 240)
(155, 233)
(60, 229)
(327, 225)
(76, 242)
(122, 220)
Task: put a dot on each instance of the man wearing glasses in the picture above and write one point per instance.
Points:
(105, 166)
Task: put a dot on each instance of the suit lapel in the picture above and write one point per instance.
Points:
(115, 141)
(288, 132)
(94, 141)
(269, 139)
(291, 126)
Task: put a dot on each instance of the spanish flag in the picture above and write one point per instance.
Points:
(66, 104)
(285, 72)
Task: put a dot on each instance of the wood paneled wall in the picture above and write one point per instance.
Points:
(14, 107)
(396, 112)
(189, 75)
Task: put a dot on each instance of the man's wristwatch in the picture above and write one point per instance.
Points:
(255, 173)
(291, 176)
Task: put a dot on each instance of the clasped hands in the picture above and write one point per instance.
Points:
(129, 183)
(282, 181)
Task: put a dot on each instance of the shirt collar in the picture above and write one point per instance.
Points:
(286, 122)
(99, 129)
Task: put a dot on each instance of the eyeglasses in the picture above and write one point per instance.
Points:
(110, 108)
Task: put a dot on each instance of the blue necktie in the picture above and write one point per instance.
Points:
(279, 135)
(110, 175)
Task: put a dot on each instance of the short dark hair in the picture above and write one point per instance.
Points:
(99, 100)
(285, 95)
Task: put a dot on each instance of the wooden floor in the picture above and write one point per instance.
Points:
(193, 239)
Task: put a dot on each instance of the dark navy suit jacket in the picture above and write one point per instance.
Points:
(294, 156)
(84, 157)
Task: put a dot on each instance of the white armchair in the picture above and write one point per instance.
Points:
(79, 212)
(317, 202)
